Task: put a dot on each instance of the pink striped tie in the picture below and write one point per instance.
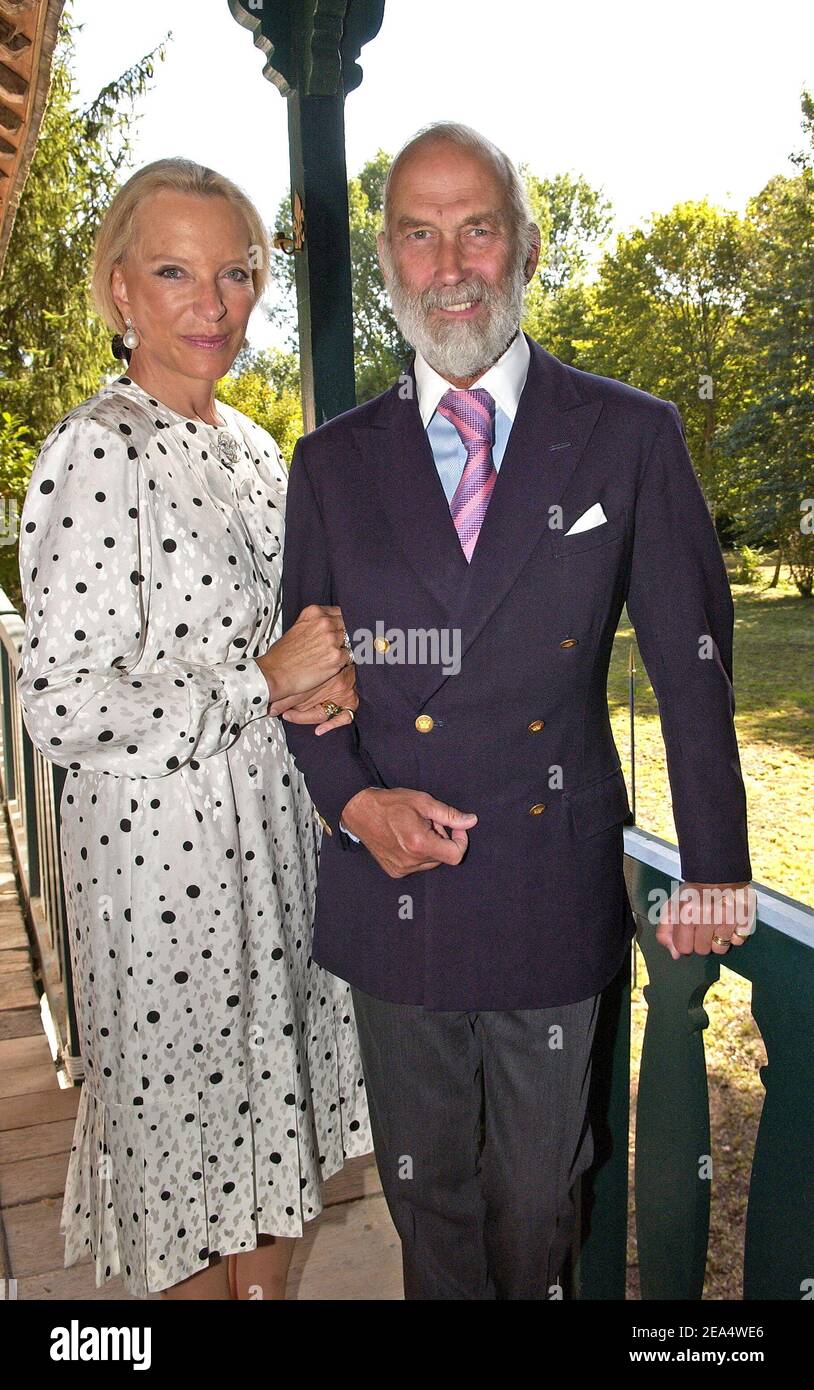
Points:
(473, 415)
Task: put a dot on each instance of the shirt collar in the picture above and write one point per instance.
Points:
(504, 380)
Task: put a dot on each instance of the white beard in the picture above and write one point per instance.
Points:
(469, 347)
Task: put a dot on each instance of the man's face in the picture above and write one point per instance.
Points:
(452, 265)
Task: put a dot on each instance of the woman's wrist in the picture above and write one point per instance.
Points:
(271, 682)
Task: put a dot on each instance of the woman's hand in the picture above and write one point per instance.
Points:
(308, 708)
(306, 656)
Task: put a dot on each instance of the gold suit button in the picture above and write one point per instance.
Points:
(536, 725)
(381, 644)
(570, 642)
(537, 810)
(424, 723)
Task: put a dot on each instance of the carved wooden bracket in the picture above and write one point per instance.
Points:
(312, 46)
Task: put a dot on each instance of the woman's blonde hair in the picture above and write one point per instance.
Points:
(115, 233)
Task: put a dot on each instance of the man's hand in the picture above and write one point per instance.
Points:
(406, 831)
(704, 917)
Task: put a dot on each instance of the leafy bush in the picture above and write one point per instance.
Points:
(17, 454)
(749, 566)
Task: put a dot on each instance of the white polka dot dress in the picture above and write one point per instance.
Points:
(223, 1079)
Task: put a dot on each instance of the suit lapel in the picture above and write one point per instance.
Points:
(412, 498)
(547, 440)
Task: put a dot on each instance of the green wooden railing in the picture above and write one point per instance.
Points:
(672, 1113)
(673, 1182)
(31, 790)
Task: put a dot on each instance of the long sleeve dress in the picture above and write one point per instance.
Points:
(223, 1079)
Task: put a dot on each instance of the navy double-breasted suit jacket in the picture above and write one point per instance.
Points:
(536, 914)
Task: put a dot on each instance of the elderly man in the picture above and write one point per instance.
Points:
(471, 886)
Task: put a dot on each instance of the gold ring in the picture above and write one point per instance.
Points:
(721, 940)
(330, 708)
(351, 713)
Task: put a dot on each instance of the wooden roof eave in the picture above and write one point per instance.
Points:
(28, 33)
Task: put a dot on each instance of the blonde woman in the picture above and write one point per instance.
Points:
(222, 1075)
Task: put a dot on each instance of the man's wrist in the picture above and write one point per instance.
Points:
(699, 883)
(355, 803)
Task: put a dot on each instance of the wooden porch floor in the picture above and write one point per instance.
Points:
(350, 1251)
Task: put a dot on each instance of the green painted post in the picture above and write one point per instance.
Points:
(673, 1157)
(58, 777)
(31, 826)
(673, 1161)
(316, 128)
(312, 48)
(779, 1247)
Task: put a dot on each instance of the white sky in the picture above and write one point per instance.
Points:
(654, 100)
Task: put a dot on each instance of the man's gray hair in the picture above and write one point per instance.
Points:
(520, 213)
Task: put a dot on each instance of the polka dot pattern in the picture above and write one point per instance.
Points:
(223, 1079)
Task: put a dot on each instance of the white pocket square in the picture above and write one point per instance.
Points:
(593, 517)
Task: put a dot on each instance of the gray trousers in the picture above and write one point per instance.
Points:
(480, 1129)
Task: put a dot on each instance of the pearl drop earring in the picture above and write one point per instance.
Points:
(130, 338)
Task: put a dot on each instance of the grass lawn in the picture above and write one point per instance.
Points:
(774, 715)
(774, 698)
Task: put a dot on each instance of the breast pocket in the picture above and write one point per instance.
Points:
(605, 534)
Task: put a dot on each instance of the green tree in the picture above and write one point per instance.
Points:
(282, 311)
(574, 221)
(380, 352)
(281, 370)
(665, 314)
(771, 440)
(17, 455)
(265, 385)
(54, 351)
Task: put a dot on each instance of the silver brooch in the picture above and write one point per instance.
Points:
(228, 448)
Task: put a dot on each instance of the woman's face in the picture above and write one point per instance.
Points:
(186, 283)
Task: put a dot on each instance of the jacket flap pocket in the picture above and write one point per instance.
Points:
(600, 805)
